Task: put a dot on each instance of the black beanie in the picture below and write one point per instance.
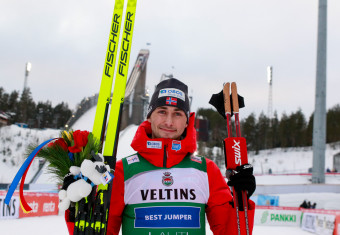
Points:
(170, 92)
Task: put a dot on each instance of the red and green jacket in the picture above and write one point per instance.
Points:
(164, 189)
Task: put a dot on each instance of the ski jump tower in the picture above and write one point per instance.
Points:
(136, 97)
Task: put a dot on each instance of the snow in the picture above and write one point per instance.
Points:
(299, 159)
(55, 225)
(13, 143)
(283, 161)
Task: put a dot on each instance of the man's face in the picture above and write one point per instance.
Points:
(167, 122)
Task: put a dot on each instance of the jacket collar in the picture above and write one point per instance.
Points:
(163, 152)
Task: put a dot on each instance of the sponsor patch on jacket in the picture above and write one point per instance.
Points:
(154, 144)
(172, 92)
(196, 158)
(176, 145)
(132, 159)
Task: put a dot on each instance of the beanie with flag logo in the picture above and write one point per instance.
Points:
(170, 92)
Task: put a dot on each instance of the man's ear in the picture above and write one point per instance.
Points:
(148, 120)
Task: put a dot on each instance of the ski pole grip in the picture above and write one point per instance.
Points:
(234, 97)
(226, 95)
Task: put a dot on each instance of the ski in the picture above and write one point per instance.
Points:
(108, 72)
(99, 218)
(113, 126)
(96, 221)
(84, 208)
(235, 148)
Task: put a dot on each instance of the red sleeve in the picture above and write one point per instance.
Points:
(220, 213)
(117, 204)
(70, 225)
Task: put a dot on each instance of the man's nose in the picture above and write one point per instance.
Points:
(168, 120)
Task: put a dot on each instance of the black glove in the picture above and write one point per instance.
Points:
(243, 180)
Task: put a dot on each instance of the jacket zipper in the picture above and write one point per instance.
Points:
(164, 157)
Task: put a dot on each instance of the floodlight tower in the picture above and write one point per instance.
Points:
(270, 96)
(319, 123)
(27, 71)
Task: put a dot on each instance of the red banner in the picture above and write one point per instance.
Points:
(42, 204)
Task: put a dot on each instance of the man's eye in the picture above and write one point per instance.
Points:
(161, 112)
(179, 114)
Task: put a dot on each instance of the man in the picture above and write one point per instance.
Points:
(164, 188)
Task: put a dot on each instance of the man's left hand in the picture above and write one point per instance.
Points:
(243, 179)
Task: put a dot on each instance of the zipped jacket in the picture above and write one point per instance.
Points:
(165, 189)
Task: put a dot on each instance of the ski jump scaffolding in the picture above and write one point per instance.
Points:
(136, 100)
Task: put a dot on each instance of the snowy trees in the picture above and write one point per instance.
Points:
(291, 130)
(22, 108)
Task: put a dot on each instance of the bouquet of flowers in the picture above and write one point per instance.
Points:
(74, 160)
(69, 150)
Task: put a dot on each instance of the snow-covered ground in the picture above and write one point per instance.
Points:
(55, 225)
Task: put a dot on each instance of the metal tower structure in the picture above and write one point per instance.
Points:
(136, 95)
(270, 95)
(319, 123)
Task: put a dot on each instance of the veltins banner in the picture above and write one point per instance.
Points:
(10, 211)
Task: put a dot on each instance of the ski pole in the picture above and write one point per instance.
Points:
(227, 107)
(238, 134)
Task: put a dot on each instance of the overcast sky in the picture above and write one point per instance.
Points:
(203, 43)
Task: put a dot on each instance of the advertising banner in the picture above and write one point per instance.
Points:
(273, 217)
(267, 200)
(318, 223)
(42, 204)
(10, 211)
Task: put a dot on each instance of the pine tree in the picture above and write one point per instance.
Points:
(61, 114)
(333, 124)
(27, 106)
(249, 131)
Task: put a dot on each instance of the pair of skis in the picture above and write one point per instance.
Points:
(92, 212)
(235, 148)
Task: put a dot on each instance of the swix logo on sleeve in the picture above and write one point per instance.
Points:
(172, 92)
(236, 152)
(154, 144)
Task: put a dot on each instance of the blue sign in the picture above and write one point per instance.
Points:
(167, 217)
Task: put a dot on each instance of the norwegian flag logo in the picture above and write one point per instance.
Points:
(171, 100)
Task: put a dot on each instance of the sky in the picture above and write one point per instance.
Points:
(202, 43)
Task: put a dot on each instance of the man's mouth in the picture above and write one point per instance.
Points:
(167, 129)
